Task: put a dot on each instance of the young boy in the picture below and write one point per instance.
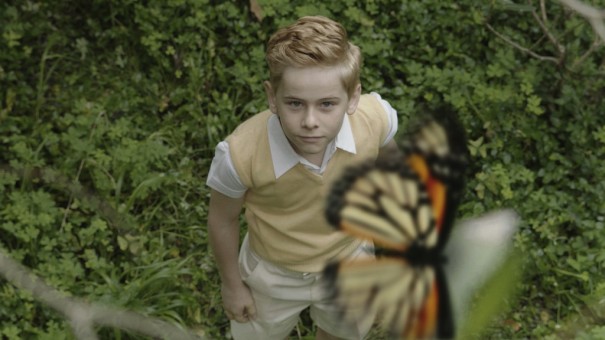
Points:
(280, 164)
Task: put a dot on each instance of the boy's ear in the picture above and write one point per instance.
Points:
(354, 100)
(270, 96)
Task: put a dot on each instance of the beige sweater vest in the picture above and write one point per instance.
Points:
(285, 216)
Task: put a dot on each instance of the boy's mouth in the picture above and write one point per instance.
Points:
(309, 139)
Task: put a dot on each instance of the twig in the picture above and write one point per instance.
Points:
(543, 11)
(82, 316)
(521, 48)
(595, 16)
(548, 33)
(595, 44)
(585, 10)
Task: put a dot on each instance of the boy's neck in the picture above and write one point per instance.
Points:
(316, 159)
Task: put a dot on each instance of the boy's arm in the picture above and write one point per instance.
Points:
(223, 227)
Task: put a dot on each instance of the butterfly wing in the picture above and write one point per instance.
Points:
(408, 199)
(435, 148)
(385, 203)
(410, 301)
(406, 206)
(389, 204)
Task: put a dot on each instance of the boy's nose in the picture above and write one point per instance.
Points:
(310, 119)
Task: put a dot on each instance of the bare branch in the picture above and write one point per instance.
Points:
(548, 33)
(543, 11)
(595, 45)
(595, 16)
(585, 10)
(82, 316)
(521, 48)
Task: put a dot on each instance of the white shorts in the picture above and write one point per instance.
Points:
(281, 294)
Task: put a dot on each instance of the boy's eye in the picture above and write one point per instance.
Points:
(327, 104)
(294, 103)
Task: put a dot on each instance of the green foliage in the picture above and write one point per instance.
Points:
(110, 111)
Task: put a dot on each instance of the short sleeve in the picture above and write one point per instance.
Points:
(392, 118)
(222, 176)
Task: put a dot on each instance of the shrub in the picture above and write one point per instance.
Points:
(129, 99)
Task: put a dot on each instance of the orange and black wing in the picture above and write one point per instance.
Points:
(435, 148)
(404, 290)
(405, 200)
(406, 206)
(385, 203)
(407, 300)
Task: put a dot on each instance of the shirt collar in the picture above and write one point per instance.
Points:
(283, 155)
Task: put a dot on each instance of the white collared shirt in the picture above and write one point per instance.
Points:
(223, 177)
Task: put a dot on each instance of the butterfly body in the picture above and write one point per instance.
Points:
(417, 256)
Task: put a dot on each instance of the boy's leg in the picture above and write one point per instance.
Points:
(279, 296)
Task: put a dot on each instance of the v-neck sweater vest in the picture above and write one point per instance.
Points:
(285, 216)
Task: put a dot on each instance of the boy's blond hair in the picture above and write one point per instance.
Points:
(313, 41)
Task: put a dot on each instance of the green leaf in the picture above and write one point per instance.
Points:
(122, 243)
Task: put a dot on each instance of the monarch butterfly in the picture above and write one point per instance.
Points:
(406, 205)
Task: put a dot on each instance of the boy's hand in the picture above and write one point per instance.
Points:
(238, 303)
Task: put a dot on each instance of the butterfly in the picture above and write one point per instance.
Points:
(406, 205)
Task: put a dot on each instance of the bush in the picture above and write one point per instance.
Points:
(129, 99)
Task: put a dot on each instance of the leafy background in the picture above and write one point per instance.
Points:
(129, 98)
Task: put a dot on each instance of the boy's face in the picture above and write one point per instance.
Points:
(311, 103)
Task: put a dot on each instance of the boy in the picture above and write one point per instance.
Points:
(280, 164)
